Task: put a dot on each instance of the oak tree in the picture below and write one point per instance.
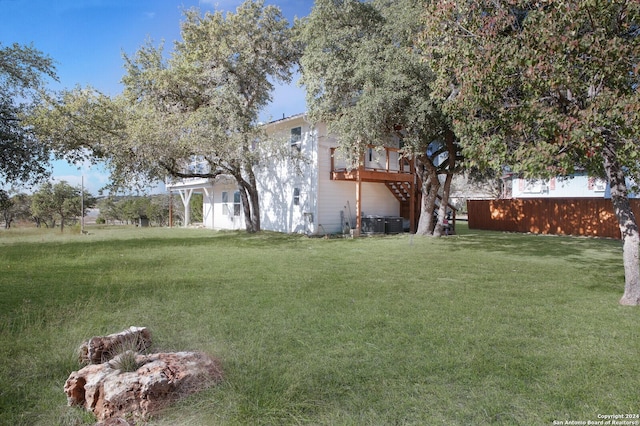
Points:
(14, 207)
(545, 88)
(23, 73)
(204, 101)
(365, 77)
(60, 202)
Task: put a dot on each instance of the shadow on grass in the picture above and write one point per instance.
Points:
(197, 238)
(579, 249)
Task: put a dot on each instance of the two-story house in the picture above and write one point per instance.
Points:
(320, 194)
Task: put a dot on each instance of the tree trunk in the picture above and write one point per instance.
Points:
(430, 188)
(449, 138)
(250, 205)
(627, 223)
(246, 208)
(254, 199)
(444, 202)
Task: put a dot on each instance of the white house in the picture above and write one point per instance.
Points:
(577, 186)
(317, 196)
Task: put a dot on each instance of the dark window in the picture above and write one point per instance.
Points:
(296, 196)
(236, 203)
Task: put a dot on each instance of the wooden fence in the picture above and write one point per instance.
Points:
(562, 216)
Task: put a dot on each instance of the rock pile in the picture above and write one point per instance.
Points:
(128, 386)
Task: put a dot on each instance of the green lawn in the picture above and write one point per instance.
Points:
(478, 328)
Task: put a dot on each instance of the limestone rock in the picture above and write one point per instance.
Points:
(102, 348)
(161, 378)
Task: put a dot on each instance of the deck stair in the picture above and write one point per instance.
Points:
(401, 190)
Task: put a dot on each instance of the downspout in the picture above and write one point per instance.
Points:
(313, 131)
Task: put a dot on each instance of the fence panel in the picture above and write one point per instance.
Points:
(562, 216)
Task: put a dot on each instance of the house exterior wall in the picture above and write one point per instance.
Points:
(296, 196)
(207, 207)
(288, 187)
(225, 213)
(337, 199)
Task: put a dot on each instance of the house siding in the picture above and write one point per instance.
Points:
(278, 180)
(223, 213)
(322, 202)
(335, 197)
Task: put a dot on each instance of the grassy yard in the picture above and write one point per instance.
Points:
(478, 328)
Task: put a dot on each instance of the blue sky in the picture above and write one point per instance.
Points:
(86, 39)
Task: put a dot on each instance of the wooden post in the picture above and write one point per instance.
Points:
(388, 159)
(82, 205)
(413, 195)
(356, 232)
(170, 209)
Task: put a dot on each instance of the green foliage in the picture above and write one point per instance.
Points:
(61, 201)
(5, 206)
(82, 124)
(195, 204)
(204, 101)
(13, 208)
(366, 79)
(546, 89)
(23, 70)
(502, 328)
(130, 209)
(540, 87)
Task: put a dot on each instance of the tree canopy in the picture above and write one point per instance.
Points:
(366, 79)
(204, 101)
(60, 202)
(545, 89)
(23, 72)
(200, 102)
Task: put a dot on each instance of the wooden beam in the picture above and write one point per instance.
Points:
(356, 232)
(371, 176)
(412, 205)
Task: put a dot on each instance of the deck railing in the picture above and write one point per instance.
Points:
(375, 158)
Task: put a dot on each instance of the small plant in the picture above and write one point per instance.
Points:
(126, 361)
(124, 355)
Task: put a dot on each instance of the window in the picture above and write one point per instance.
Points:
(596, 184)
(296, 196)
(296, 139)
(236, 203)
(532, 186)
(225, 203)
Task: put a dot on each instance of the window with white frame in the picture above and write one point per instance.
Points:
(228, 208)
(296, 139)
(532, 186)
(596, 184)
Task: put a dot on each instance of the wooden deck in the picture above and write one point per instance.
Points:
(386, 166)
(389, 167)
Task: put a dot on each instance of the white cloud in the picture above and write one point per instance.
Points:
(230, 5)
(93, 176)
